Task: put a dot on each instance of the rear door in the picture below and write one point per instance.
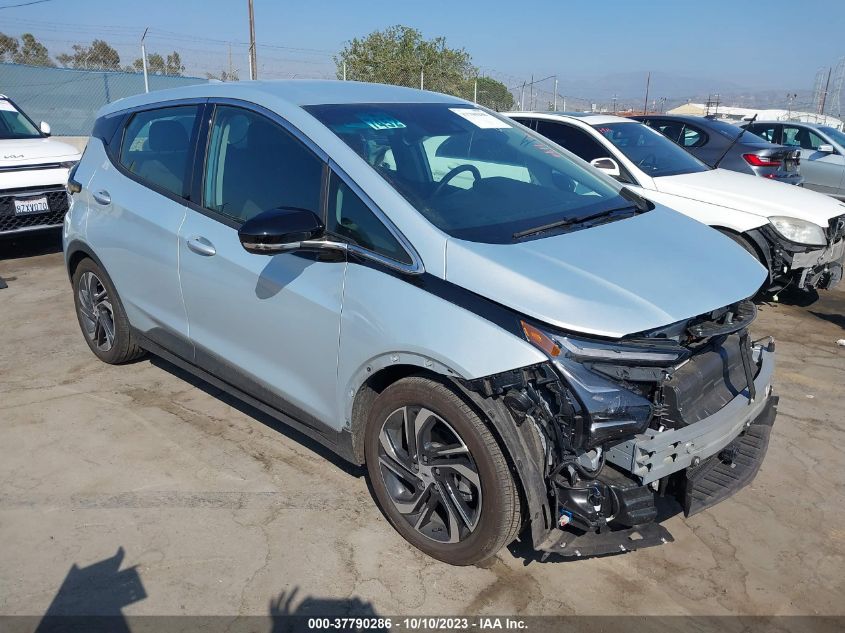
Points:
(137, 206)
(266, 324)
(822, 171)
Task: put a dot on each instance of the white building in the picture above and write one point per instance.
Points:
(738, 115)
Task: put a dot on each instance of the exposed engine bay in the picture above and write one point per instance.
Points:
(635, 430)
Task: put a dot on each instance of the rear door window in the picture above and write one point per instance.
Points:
(693, 136)
(576, 141)
(767, 132)
(157, 147)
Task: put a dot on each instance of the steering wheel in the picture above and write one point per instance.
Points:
(454, 172)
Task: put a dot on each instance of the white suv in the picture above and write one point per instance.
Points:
(33, 173)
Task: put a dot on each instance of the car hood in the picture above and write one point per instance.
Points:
(34, 151)
(614, 279)
(752, 194)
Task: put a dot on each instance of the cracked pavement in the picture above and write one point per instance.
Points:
(222, 510)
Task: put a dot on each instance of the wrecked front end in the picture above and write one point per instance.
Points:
(802, 266)
(632, 431)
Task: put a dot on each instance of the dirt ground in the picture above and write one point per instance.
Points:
(140, 489)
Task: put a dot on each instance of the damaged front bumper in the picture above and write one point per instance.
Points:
(653, 455)
(804, 267)
(697, 465)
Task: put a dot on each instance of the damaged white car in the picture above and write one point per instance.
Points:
(797, 234)
(520, 345)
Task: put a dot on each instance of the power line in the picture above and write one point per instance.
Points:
(23, 4)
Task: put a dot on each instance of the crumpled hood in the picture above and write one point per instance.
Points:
(752, 194)
(614, 279)
(34, 151)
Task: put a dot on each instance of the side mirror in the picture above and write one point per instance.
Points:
(608, 166)
(825, 149)
(45, 128)
(280, 230)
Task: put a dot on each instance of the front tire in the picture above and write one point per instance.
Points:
(101, 316)
(438, 473)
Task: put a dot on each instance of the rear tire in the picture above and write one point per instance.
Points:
(448, 490)
(101, 316)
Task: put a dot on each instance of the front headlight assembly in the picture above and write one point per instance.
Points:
(799, 231)
(612, 412)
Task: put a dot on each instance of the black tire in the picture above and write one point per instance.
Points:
(123, 347)
(739, 239)
(498, 517)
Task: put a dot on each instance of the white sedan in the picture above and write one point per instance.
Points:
(799, 235)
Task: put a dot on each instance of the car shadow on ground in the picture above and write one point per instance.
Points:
(31, 244)
(268, 420)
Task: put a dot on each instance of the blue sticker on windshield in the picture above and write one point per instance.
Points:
(381, 121)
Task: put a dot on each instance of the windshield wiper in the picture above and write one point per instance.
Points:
(576, 220)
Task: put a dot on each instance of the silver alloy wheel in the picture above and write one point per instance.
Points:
(429, 474)
(96, 312)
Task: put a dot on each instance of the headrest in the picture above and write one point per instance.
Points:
(167, 136)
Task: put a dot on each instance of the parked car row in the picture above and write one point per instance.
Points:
(520, 327)
(510, 340)
(798, 235)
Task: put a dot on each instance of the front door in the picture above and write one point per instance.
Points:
(267, 324)
(822, 171)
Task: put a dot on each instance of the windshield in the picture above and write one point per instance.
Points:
(837, 135)
(475, 175)
(649, 150)
(13, 124)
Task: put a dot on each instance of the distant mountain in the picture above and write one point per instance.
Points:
(629, 90)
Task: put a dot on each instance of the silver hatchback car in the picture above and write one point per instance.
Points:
(504, 336)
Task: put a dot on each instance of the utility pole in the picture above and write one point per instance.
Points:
(229, 76)
(475, 92)
(531, 97)
(253, 60)
(614, 104)
(522, 98)
(422, 78)
(647, 84)
(344, 71)
(555, 98)
(824, 94)
(144, 61)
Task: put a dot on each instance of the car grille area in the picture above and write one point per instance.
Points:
(57, 200)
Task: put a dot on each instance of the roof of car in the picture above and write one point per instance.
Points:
(591, 118)
(299, 92)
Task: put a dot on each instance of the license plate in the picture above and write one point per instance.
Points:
(31, 206)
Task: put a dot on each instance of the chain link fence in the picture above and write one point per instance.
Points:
(68, 99)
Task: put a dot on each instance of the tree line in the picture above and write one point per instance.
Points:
(100, 55)
(398, 55)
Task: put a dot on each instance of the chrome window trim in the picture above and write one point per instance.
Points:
(416, 267)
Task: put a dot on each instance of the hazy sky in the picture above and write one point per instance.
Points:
(771, 44)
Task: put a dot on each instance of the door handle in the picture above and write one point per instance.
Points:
(201, 246)
(102, 197)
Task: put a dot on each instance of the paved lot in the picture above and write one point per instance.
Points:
(208, 507)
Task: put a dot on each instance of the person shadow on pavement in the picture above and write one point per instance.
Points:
(91, 598)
